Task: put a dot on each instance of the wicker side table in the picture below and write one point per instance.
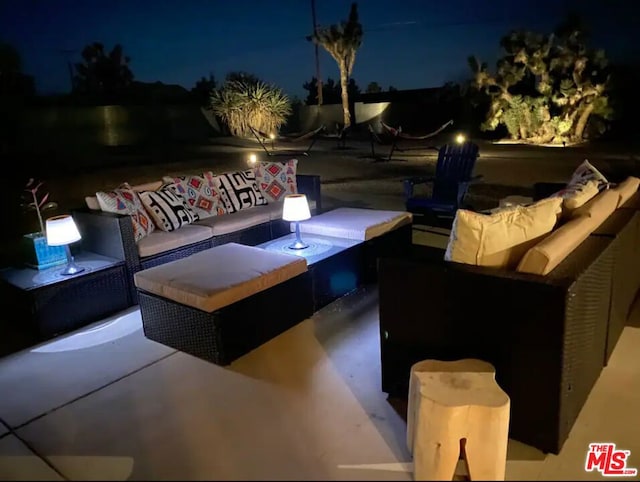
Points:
(49, 303)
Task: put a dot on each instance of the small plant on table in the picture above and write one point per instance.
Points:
(36, 250)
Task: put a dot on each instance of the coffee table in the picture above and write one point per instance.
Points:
(336, 264)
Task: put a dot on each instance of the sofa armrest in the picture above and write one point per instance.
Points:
(310, 185)
(546, 335)
(110, 235)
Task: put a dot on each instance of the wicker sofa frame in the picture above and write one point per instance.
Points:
(112, 235)
(546, 336)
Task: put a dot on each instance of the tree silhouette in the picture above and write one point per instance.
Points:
(203, 89)
(104, 77)
(331, 92)
(244, 77)
(373, 88)
(342, 41)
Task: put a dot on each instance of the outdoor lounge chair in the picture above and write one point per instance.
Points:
(392, 136)
(454, 174)
(267, 140)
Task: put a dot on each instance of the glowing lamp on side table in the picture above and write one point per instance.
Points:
(296, 209)
(62, 231)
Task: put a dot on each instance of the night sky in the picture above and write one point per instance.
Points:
(407, 43)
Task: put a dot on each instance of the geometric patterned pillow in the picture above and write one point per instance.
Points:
(126, 201)
(277, 179)
(586, 172)
(199, 192)
(238, 190)
(168, 209)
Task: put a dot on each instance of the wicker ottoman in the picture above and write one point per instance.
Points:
(381, 232)
(223, 302)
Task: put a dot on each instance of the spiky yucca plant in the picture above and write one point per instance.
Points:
(242, 104)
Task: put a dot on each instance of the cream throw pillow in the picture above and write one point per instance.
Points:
(576, 195)
(502, 238)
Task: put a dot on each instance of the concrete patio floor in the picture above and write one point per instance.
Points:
(105, 403)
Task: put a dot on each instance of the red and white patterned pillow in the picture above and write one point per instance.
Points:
(277, 179)
(199, 192)
(126, 201)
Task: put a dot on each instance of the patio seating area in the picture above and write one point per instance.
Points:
(107, 402)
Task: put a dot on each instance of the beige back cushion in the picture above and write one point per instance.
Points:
(548, 253)
(502, 238)
(92, 201)
(147, 186)
(626, 189)
(599, 208)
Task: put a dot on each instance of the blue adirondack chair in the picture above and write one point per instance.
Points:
(454, 174)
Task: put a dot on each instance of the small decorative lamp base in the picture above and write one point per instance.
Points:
(298, 243)
(71, 267)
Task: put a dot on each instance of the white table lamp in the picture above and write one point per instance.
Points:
(296, 209)
(62, 231)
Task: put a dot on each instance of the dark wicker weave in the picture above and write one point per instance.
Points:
(622, 226)
(112, 235)
(546, 335)
(392, 243)
(224, 335)
(63, 306)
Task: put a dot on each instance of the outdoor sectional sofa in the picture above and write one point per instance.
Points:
(112, 234)
(549, 334)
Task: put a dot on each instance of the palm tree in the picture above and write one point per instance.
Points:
(342, 42)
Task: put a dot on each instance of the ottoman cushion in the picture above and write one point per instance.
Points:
(219, 276)
(355, 223)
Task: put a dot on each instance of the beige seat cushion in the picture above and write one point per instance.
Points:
(626, 189)
(232, 222)
(599, 208)
(501, 239)
(549, 253)
(355, 223)
(160, 241)
(219, 276)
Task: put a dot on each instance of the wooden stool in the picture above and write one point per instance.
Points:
(455, 409)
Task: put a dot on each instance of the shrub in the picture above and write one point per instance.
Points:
(241, 104)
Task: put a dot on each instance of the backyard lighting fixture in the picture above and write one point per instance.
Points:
(461, 138)
(252, 159)
(272, 136)
(296, 209)
(62, 231)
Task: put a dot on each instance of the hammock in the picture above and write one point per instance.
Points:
(265, 139)
(398, 132)
(396, 135)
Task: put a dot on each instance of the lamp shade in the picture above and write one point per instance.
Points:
(62, 230)
(296, 208)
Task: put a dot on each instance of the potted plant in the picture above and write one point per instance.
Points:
(37, 252)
